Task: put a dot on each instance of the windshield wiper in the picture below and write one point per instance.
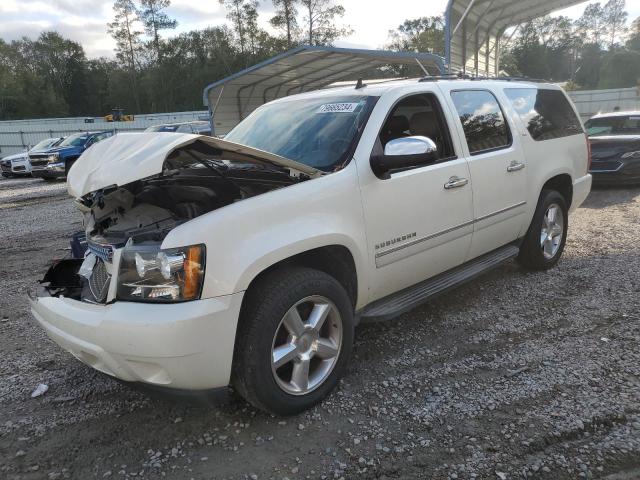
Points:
(210, 164)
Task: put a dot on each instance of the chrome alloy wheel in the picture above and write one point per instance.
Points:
(306, 345)
(552, 231)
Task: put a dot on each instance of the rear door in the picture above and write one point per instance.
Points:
(497, 166)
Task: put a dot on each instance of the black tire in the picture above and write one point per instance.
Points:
(264, 307)
(67, 166)
(49, 179)
(531, 254)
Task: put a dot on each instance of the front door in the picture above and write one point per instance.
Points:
(419, 221)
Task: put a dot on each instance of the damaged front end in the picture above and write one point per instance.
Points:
(119, 256)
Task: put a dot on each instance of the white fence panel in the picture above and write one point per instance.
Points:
(18, 135)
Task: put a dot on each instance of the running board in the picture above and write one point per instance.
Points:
(409, 298)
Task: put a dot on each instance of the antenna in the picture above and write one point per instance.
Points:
(360, 84)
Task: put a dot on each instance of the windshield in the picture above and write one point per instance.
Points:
(163, 128)
(619, 125)
(319, 132)
(75, 140)
(49, 142)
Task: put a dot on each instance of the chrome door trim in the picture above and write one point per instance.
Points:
(423, 239)
(498, 212)
(448, 230)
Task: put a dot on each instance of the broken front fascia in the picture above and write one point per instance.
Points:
(147, 185)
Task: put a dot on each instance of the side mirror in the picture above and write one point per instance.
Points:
(404, 152)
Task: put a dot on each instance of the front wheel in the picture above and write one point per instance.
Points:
(545, 240)
(294, 340)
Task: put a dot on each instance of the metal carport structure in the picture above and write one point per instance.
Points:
(473, 29)
(302, 69)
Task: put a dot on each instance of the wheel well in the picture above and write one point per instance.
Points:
(334, 260)
(563, 185)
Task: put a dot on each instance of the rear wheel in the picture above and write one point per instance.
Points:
(294, 340)
(547, 234)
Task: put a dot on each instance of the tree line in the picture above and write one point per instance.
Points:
(51, 76)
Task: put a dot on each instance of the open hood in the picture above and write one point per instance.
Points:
(127, 157)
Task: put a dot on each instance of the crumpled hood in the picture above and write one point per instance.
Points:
(127, 157)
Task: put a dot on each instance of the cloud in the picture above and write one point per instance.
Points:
(85, 20)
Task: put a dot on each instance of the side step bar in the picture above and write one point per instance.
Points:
(409, 298)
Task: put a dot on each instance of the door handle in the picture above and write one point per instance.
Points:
(515, 166)
(455, 182)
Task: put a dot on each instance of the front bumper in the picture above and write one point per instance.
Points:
(581, 189)
(186, 346)
(51, 170)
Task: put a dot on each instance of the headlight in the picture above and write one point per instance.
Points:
(148, 274)
(635, 154)
(52, 158)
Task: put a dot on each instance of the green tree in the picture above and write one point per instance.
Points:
(591, 25)
(124, 30)
(615, 20)
(620, 70)
(154, 19)
(633, 42)
(424, 34)
(321, 17)
(285, 19)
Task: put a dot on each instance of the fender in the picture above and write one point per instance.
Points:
(245, 238)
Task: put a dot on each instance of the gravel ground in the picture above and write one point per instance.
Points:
(518, 375)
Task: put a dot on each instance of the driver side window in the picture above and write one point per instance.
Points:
(419, 115)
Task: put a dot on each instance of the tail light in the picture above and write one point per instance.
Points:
(588, 153)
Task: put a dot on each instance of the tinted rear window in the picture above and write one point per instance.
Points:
(546, 113)
(482, 120)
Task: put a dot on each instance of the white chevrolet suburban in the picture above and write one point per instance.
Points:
(248, 261)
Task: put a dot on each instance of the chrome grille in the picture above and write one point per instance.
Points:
(99, 281)
(39, 160)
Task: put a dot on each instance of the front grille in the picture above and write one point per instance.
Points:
(39, 160)
(5, 166)
(99, 282)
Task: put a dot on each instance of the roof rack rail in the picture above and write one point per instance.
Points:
(466, 76)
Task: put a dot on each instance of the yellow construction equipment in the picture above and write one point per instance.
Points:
(117, 115)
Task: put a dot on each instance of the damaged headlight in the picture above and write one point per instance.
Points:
(148, 274)
(53, 158)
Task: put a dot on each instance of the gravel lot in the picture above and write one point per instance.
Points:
(517, 375)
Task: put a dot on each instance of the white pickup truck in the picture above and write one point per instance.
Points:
(248, 261)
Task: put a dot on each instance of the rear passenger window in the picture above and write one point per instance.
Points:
(482, 120)
(546, 113)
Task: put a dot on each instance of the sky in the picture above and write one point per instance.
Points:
(85, 20)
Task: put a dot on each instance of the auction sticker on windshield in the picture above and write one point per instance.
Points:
(338, 108)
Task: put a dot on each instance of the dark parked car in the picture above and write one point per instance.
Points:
(56, 162)
(615, 147)
(198, 128)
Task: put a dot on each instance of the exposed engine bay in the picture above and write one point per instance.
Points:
(195, 180)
